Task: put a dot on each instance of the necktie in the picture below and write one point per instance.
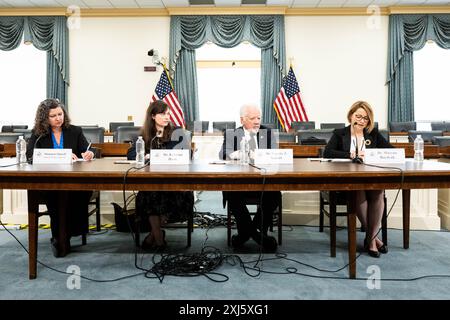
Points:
(252, 142)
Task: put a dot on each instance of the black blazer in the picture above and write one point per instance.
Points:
(266, 138)
(339, 144)
(180, 139)
(73, 139)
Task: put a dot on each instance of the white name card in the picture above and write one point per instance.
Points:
(273, 156)
(169, 156)
(393, 155)
(52, 156)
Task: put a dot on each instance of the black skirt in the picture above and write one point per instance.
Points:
(177, 206)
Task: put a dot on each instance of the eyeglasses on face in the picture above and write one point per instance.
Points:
(360, 117)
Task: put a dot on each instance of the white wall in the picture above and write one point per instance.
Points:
(107, 59)
(339, 60)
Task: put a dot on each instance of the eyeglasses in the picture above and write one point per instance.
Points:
(360, 117)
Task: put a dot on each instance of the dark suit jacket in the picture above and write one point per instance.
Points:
(266, 138)
(180, 139)
(339, 144)
(73, 139)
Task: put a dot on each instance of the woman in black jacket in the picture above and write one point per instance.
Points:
(52, 130)
(351, 142)
(159, 207)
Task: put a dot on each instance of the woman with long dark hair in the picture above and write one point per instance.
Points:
(160, 207)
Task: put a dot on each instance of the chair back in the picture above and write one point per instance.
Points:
(9, 137)
(385, 134)
(221, 126)
(303, 125)
(286, 137)
(12, 127)
(26, 133)
(272, 126)
(427, 136)
(442, 141)
(441, 126)
(197, 126)
(94, 134)
(114, 125)
(126, 134)
(402, 126)
(314, 136)
(336, 125)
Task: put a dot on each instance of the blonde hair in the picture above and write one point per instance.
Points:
(366, 106)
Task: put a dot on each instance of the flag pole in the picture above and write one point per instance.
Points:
(168, 75)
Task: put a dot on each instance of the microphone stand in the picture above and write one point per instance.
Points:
(356, 159)
(30, 160)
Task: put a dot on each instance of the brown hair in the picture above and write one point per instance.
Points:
(366, 106)
(148, 130)
(41, 123)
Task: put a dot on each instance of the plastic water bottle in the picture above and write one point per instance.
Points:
(21, 151)
(244, 149)
(418, 148)
(140, 151)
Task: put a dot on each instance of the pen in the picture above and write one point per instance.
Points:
(89, 145)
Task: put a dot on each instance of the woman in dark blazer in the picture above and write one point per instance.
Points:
(160, 207)
(52, 129)
(351, 142)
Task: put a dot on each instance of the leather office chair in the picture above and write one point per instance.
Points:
(302, 125)
(314, 136)
(332, 199)
(126, 134)
(26, 133)
(255, 201)
(221, 126)
(402, 126)
(8, 137)
(427, 136)
(286, 137)
(197, 126)
(12, 127)
(94, 134)
(114, 125)
(440, 126)
(336, 125)
(442, 141)
(272, 126)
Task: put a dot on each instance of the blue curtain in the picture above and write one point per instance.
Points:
(188, 33)
(408, 33)
(46, 33)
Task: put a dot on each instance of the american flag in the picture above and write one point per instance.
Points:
(288, 103)
(166, 93)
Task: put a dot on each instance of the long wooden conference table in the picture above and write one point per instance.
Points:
(104, 174)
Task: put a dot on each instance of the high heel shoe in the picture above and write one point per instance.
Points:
(374, 254)
(383, 249)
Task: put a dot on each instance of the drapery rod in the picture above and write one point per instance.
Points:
(137, 12)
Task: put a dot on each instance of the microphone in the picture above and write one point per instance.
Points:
(158, 133)
(356, 159)
(30, 160)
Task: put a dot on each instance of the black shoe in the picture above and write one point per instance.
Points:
(268, 243)
(238, 240)
(383, 249)
(374, 254)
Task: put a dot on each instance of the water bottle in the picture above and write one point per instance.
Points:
(140, 151)
(418, 148)
(21, 151)
(244, 149)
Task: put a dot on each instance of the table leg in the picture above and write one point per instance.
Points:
(33, 210)
(406, 197)
(351, 227)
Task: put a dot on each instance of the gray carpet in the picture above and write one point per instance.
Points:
(292, 274)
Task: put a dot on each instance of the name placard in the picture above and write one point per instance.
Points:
(169, 156)
(52, 156)
(273, 156)
(393, 155)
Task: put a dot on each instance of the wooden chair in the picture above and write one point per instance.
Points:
(255, 201)
(332, 199)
